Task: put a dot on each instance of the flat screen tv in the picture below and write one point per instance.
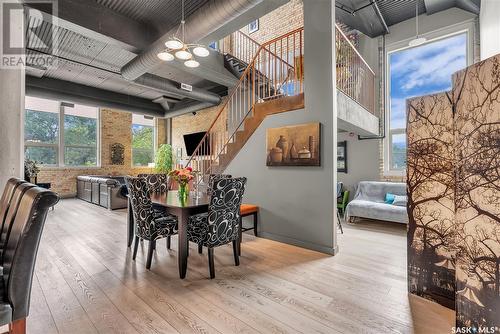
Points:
(192, 140)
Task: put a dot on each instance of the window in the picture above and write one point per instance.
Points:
(75, 146)
(253, 26)
(143, 140)
(417, 71)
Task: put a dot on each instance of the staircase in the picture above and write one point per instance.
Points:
(270, 82)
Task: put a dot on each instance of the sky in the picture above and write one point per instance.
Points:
(424, 70)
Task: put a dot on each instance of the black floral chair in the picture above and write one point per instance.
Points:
(221, 224)
(213, 178)
(149, 224)
(157, 183)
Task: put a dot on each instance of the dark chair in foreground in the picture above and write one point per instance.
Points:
(221, 225)
(149, 224)
(6, 198)
(20, 255)
(214, 178)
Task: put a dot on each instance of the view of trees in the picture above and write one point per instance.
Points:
(80, 141)
(142, 145)
(42, 130)
(42, 138)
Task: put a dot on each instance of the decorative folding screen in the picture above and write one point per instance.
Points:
(454, 195)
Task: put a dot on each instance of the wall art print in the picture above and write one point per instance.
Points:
(297, 145)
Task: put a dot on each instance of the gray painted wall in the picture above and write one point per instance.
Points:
(362, 161)
(297, 203)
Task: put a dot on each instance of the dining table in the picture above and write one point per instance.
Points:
(182, 209)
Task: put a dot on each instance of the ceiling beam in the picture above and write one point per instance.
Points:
(72, 92)
(98, 22)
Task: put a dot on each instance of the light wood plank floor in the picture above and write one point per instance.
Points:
(86, 282)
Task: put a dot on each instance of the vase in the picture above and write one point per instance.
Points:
(283, 144)
(183, 191)
(293, 152)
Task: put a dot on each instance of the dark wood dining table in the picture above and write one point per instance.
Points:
(182, 209)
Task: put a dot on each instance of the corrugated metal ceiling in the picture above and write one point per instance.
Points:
(161, 14)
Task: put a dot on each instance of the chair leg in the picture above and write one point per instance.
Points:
(211, 265)
(255, 219)
(240, 235)
(136, 245)
(200, 249)
(235, 252)
(18, 327)
(339, 222)
(151, 248)
(168, 241)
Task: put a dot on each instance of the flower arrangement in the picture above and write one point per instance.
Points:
(182, 176)
(31, 169)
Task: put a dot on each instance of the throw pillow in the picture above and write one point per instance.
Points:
(389, 198)
(400, 200)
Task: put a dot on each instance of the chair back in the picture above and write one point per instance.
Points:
(12, 212)
(214, 178)
(21, 249)
(157, 183)
(142, 207)
(224, 210)
(340, 186)
(6, 198)
(345, 198)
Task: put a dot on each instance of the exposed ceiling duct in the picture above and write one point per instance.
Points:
(186, 108)
(204, 21)
(434, 6)
(170, 87)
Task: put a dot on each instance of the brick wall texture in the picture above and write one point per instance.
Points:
(115, 127)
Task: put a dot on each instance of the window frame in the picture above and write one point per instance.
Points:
(60, 146)
(155, 142)
(467, 28)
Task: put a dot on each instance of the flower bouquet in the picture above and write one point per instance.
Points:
(182, 176)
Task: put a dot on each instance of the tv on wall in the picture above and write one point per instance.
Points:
(192, 140)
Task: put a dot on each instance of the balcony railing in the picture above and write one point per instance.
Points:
(355, 78)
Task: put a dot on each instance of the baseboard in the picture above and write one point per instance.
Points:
(300, 243)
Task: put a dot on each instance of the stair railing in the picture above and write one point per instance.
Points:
(240, 46)
(276, 70)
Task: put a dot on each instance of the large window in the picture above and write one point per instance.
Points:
(76, 145)
(143, 140)
(418, 71)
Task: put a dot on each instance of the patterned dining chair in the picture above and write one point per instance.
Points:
(213, 178)
(221, 224)
(157, 183)
(149, 225)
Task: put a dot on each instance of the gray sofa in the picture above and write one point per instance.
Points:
(105, 191)
(369, 202)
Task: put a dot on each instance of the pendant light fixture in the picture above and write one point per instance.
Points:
(177, 48)
(417, 40)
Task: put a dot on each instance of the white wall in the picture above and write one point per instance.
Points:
(489, 21)
(362, 161)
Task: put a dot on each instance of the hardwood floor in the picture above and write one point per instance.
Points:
(86, 282)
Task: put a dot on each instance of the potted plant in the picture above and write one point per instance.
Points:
(31, 170)
(182, 176)
(164, 159)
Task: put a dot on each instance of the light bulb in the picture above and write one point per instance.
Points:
(191, 63)
(183, 55)
(201, 51)
(174, 44)
(165, 56)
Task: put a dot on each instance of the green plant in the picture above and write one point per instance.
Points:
(164, 159)
(31, 168)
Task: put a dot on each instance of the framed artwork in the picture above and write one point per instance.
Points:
(297, 145)
(342, 157)
(253, 26)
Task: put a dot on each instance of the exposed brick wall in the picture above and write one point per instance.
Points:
(115, 127)
(282, 20)
(190, 123)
